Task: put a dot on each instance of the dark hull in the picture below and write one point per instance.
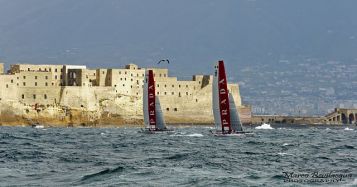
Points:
(238, 133)
(156, 131)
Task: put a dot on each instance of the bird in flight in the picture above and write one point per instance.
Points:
(164, 60)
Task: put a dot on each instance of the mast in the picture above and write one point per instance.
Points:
(223, 98)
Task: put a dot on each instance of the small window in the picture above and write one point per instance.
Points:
(28, 69)
(55, 76)
(186, 86)
(158, 85)
(24, 83)
(173, 93)
(46, 84)
(12, 81)
(125, 73)
(119, 72)
(7, 86)
(45, 96)
(186, 93)
(35, 83)
(123, 84)
(179, 86)
(53, 84)
(165, 85)
(34, 96)
(167, 109)
(173, 86)
(35, 77)
(165, 93)
(175, 109)
(24, 77)
(131, 74)
(102, 72)
(46, 77)
(23, 96)
(158, 93)
(56, 70)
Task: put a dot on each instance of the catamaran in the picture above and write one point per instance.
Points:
(153, 117)
(226, 117)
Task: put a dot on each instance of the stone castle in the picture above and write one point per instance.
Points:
(75, 95)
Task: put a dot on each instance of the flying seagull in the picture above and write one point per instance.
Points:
(166, 60)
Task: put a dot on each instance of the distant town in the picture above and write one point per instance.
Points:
(300, 87)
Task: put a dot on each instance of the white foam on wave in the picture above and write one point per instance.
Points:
(286, 144)
(189, 135)
(195, 135)
(348, 129)
(39, 126)
(283, 154)
(327, 129)
(264, 126)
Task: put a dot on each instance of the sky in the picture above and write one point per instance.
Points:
(192, 34)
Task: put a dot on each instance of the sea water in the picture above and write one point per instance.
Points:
(190, 157)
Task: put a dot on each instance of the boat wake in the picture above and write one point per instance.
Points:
(348, 129)
(264, 126)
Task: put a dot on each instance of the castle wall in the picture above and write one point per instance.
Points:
(113, 92)
(2, 68)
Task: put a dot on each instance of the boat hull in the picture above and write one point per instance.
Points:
(238, 133)
(156, 131)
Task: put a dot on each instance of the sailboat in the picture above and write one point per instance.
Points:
(226, 116)
(153, 117)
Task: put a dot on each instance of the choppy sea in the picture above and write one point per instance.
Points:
(282, 156)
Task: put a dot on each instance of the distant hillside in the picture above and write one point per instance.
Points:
(111, 32)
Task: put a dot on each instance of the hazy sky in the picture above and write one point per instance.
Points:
(192, 34)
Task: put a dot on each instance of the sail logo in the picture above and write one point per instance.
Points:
(224, 122)
(222, 81)
(152, 113)
(224, 112)
(151, 95)
(224, 101)
(151, 87)
(151, 104)
(152, 121)
(222, 91)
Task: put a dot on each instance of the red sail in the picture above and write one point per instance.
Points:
(223, 98)
(151, 100)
